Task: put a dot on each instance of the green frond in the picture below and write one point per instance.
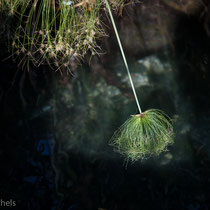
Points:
(143, 135)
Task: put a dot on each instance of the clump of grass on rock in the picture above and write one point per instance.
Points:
(55, 32)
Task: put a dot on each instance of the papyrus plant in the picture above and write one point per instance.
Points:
(143, 135)
(55, 32)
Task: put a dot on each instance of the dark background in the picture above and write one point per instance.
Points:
(29, 160)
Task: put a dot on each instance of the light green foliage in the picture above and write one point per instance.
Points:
(143, 135)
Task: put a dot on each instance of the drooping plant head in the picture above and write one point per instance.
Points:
(143, 135)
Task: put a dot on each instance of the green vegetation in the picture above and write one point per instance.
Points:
(55, 32)
(60, 32)
(143, 135)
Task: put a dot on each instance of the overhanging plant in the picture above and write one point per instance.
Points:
(57, 32)
(54, 32)
(143, 135)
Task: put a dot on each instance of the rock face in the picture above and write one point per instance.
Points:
(98, 99)
(152, 64)
(89, 106)
(139, 80)
(147, 26)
